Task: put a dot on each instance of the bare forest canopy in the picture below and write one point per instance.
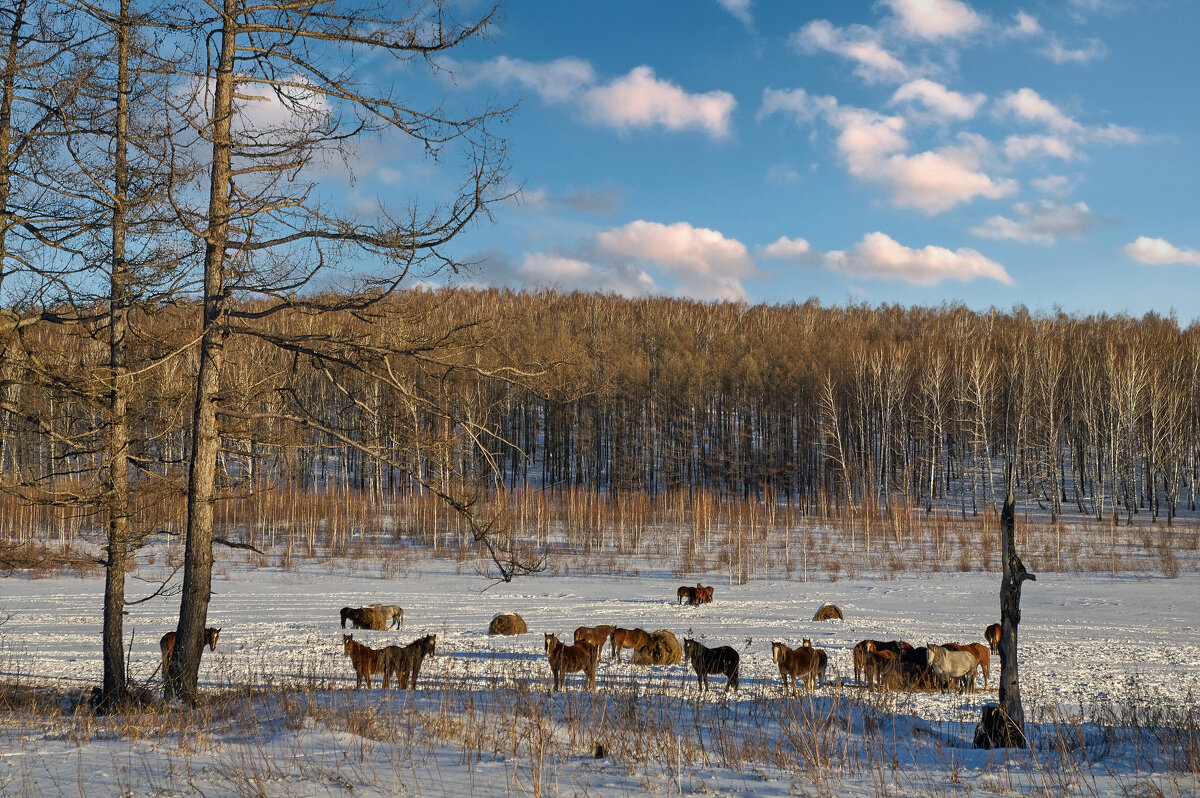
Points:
(472, 392)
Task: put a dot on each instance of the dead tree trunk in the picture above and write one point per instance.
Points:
(1003, 726)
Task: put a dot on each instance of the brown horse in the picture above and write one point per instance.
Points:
(723, 660)
(686, 592)
(897, 647)
(366, 660)
(166, 645)
(596, 635)
(364, 618)
(628, 638)
(405, 661)
(880, 667)
(981, 653)
(822, 660)
(992, 636)
(704, 595)
(802, 662)
(565, 659)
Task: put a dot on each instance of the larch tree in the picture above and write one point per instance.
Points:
(268, 229)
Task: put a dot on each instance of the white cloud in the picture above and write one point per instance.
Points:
(558, 81)
(874, 148)
(939, 103)
(879, 256)
(544, 270)
(1159, 252)
(935, 19)
(1027, 105)
(1040, 223)
(857, 43)
(740, 9)
(786, 248)
(1024, 25)
(1020, 148)
(783, 174)
(1091, 50)
(1054, 185)
(704, 263)
(640, 100)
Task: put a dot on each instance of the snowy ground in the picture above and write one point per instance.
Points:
(1092, 647)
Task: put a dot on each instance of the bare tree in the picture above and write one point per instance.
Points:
(266, 231)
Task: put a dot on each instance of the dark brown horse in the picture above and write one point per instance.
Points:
(686, 593)
(704, 595)
(566, 659)
(803, 662)
(596, 635)
(364, 618)
(366, 660)
(881, 666)
(405, 661)
(166, 645)
(628, 638)
(992, 636)
(822, 660)
(723, 660)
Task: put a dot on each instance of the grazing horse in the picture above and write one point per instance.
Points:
(704, 595)
(981, 654)
(803, 662)
(166, 645)
(364, 618)
(564, 659)
(596, 635)
(628, 638)
(950, 665)
(897, 647)
(723, 660)
(686, 592)
(366, 660)
(405, 661)
(880, 666)
(393, 615)
(992, 635)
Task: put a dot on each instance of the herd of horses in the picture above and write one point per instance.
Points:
(891, 664)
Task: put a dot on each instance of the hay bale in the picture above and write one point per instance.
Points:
(828, 612)
(372, 618)
(663, 649)
(508, 623)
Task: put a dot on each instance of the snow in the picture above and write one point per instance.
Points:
(1110, 669)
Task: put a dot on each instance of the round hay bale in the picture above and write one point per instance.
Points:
(663, 649)
(372, 618)
(508, 623)
(828, 612)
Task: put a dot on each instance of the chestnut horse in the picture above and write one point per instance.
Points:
(992, 636)
(366, 660)
(564, 659)
(628, 638)
(822, 660)
(723, 660)
(405, 661)
(166, 645)
(803, 662)
(704, 595)
(686, 592)
(596, 635)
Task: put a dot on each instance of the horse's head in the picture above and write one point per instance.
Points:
(428, 645)
(807, 642)
(211, 635)
(347, 643)
(550, 641)
(776, 651)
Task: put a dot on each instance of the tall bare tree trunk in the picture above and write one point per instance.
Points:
(206, 440)
(1004, 726)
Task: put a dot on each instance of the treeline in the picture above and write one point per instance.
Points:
(474, 392)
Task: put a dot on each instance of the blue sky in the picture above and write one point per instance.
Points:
(1038, 153)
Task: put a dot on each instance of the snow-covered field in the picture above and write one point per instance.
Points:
(1100, 656)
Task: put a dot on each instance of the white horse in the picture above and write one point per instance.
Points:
(949, 664)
